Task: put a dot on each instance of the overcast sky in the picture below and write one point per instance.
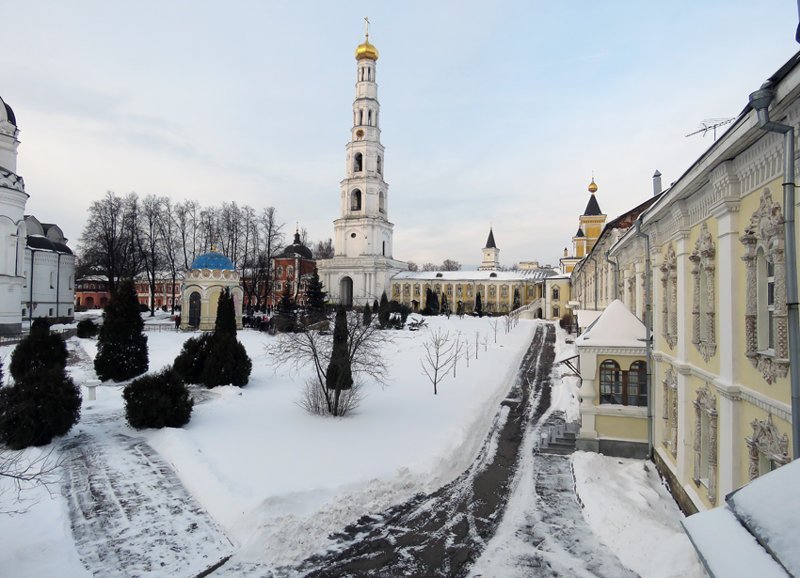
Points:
(491, 112)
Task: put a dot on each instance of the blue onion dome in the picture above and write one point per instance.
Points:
(214, 261)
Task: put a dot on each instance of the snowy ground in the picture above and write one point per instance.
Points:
(277, 482)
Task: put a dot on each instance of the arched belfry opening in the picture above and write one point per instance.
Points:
(355, 200)
(358, 163)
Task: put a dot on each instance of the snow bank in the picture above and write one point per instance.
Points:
(630, 510)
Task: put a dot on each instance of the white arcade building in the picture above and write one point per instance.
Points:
(362, 264)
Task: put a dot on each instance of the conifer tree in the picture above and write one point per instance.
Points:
(286, 320)
(39, 350)
(383, 310)
(315, 298)
(367, 319)
(433, 306)
(339, 376)
(516, 298)
(226, 314)
(157, 400)
(121, 345)
(478, 305)
(443, 308)
(375, 307)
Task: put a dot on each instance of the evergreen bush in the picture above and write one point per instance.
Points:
(157, 400)
(86, 328)
(478, 305)
(189, 364)
(367, 316)
(383, 312)
(339, 374)
(286, 321)
(226, 314)
(41, 405)
(315, 298)
(39, 350)
(122, 345)
(226, 363)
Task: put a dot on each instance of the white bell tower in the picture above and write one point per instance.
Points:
(363, 263)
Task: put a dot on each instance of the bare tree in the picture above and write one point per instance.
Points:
(458, 351)
(150, 243)
(451, 265)
(312, 348)
(20, 474)
(412, 266)
(186, 220)
(169, 232)
(324, 249)
(493, 323)
(429, 267)
(439, 357)
(105, 243)
(271, 239)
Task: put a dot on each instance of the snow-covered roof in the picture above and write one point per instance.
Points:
(519, 275)
(615, 327)
(586, 317)
(754, 534)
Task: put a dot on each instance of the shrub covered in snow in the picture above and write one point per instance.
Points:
(86, 328)
(122, 345)
(39, 406)
(38, 351)
(190, 361)
(157, 400)
(227, 362)
(218, 358)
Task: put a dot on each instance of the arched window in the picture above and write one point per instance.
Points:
(555, 293)
(610, 382)
(289, 272)
(766, 301)
(380, 168)
(355, 200)
(279, 271)
(383, 249)
(51, 279)
(360, 117)
(358, 163)
(381, 202)
(637, 384)
(369, 117)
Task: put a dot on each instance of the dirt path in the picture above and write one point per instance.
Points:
(129, 512)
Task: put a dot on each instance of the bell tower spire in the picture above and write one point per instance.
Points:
(363, 264)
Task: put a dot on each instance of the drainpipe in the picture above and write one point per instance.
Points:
(30, 304)
(760, 101)
(615, 264)
(58, 285)
(647, 341)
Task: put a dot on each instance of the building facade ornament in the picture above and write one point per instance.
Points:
(764, 236)
(703, 307)
(670, 415)
(669, 308)
(706, 405)
(766, 441)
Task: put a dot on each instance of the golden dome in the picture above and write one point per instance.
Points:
(592, 186)
(366, 50)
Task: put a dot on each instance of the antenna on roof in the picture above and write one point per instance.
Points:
(711, 124)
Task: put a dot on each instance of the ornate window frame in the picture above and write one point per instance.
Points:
(703, 318)
(765, 233)
(766, 441)
(669, 308)
(706, 403)
(670, 414)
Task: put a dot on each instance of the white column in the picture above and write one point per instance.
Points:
(684, 307)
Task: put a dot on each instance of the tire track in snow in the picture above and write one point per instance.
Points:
(130, 515)
(442, 533)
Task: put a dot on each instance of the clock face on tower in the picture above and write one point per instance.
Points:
(359, 133)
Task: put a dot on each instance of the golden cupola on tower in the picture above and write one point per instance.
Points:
(593, 186)
(365, 50)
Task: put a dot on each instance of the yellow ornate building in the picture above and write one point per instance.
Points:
(705, 266)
